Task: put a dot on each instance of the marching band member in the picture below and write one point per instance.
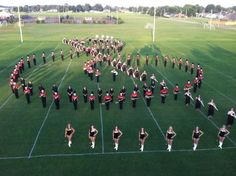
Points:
(197, 133)
(145, 87)
(121, 99)
(27, 94)
(187, 86)
(116, 134)
(198, 102)
(164, 92)
(148, 97)
(43, 96)
(56, 98)
(130, 71)
(223, 132)
(107, 100)
(162, 84)
(142, 138)
(156, 60)
(147, 59)
(170, 135)
(173, 62)
(136, 73)
(138, 59)
(180, 62)
(97, 74)
(188, 97)
(70, 92)
(153, 78)
(99, 92)
(211, 108)
(165, 61)
(176, 91)
(85, 94)
(192, 68)
(91, 100)
(92, 133)
(62, 55)
(53, 56)
(186, 65)
(74, 99)
(69, 132)
(134, 97)
(195, 84)
(230, 119)
(143, 76)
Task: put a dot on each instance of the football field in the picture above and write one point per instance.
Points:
(32, 138)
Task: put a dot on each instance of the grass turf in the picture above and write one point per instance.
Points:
(20, 123)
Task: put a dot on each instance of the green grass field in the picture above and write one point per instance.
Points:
(32, 140)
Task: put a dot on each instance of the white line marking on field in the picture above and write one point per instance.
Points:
(49, 109)
(101, 121)
(213, 123)
(115, 153)
(150, 112)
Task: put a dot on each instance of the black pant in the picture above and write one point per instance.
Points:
(70, 96)
(173, 65)
(200, 84)
(77, 54)
(44, 60)
(114, 77)
(43, 99)
(165, 63)
(27, 98)
(148, 101)
(121, 104)
(34, 60)
(195, 88)
(97, 78)
(53, 58)
(186, 68)
(75, 103)
(133, 103)
(31, 91)
(99, 99)
(92, 105)
(107, 105)
(57, 104)
(138, 62)
(180, 65)
(175, 96)
(191, 71)
(85, 98)
(16, 92)
(156, 62)
(29, 66)
(163, 98)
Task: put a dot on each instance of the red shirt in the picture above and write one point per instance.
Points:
(188, 85)
(148, 93)
(134, 95)
(164, 91)
(74, 97)
(176, 89)
(56, 97)
(27, 90)
(121, 97)
(92, 98)
(107, 98)
(42, 94)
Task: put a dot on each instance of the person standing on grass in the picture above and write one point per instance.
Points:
(27, 94)
(186, 65)
(170, 135)
(173, 62)
(195, 84)
(142, 138)
(70, 92)
(28, 61)
(188, 98)
(91, 100)
(134, 97)
(147, 60)
(31, 88)
(211, 108)
(180, 63)
(121, 99)
(85, 94)
(148, 97)
(16, 89)
(111, 92)
(192, 68)
(53, 56)
(187, 86)
(138, 59)
(74, 99)
(164, 92)
(114, 74)
(116, 134)
(197, 133)
(176, 91)
(156, 60)
(92, 133)
(107, 100)
(34, 59)
(69, 132)
(43, 57)
(71, 54)
(231, 117)
(198, 102)
(223, 132)
(99, 93)
(165, 61)
(62, 55)
(56, 99)
(43, 96)
(97, 74)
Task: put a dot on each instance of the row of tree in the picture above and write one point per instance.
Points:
(189, 10)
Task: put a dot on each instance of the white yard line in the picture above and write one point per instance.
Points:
(49, 109)
(101, 121)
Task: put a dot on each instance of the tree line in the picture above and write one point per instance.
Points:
(189, 10)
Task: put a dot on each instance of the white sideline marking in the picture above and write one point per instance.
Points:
(49, 109)
(101, 121)
(213, 123)
(115, 153)
(150, 112)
